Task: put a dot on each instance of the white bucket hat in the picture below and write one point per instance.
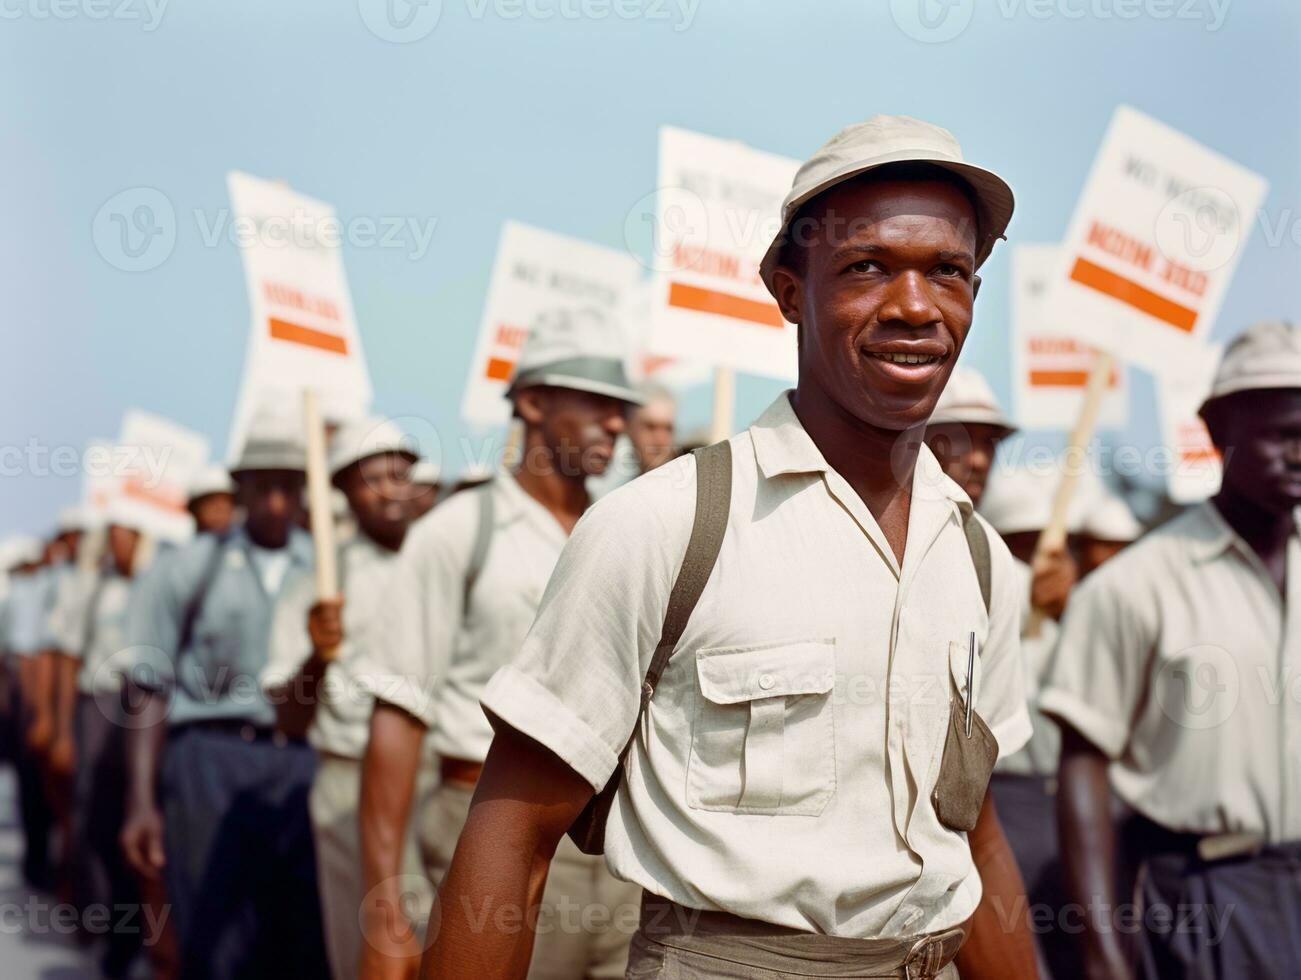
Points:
(1110, 519)
(1020, 499)
(274, 442)
(1266, 355)
(881, 140)
(580, 348)
(20, 549)
(209, 480)
(425, 473)
(969, 400)
(363, 438)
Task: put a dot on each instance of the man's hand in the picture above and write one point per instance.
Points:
(325, 626)
(1055, 575)
(142, 841)
(391, 946)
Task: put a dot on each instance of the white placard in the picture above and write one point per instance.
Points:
(1154, 241)
(671, 372)
(536, 270)
(1195, 469)
(716, 211)
(304, 333)
(158, 459)
(1050, 370)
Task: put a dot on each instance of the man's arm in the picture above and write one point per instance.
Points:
(38, 690)
(63, 751)
(388, 777)
(1088, 848)
(999, 942)
(142, 829)
(525, 801)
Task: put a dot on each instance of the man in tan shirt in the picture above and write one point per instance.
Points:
(1174, 685)
(799, 789)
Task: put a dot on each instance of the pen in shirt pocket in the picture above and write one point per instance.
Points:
(971, 679)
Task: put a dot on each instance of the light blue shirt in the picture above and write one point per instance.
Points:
(216, 675)
(31, 599)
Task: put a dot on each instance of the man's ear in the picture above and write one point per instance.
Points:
(975, 286)
(788, 287)
(530, 406)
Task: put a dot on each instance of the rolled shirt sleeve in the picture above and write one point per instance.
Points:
(575, 685)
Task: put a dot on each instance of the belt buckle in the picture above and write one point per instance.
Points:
(924, 959)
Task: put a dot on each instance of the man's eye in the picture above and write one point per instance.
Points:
(947, 269)
(865, 265)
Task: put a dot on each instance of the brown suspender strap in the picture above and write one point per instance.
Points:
(713, 505)
(978, 545)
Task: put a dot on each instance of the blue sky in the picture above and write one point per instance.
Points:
(543, 111)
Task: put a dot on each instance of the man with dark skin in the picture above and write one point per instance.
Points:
(452, 627)
(216, 798)
(212, 501)
(1157, 685)
(312, 676)
(881, 286)
(652, 429)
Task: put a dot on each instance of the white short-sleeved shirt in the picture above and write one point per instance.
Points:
(437, 655)
(1180, 661)
(784, 769)
(341, 724)
(89, 624)
(1039, 756)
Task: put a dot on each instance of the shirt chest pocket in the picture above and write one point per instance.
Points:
(763, 736)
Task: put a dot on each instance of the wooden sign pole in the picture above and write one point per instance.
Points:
(720, 426)
(319, 503)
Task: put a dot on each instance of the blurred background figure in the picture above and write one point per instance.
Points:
(313, 638)
(965, 430)
(652, 428)
(212, 501)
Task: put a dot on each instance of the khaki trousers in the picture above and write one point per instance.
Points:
(677, 943)
(333, 806)
(587, 915)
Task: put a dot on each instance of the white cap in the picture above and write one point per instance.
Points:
(362, 438)
(20, 549)
(274, 442)
(475, 473)
(581, 348)
(425, 473)
(1109, 518)
(1020, 498)
(209, 480)
(969, 400)
(128, 514)
(880, 140)
(1266, 355)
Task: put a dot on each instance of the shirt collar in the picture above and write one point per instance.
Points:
(1211, 535)
(782, 446)
(298, 547)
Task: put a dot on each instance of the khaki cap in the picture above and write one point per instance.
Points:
(881, 140)
(363, 438)
(580, 348)
(1266, 355)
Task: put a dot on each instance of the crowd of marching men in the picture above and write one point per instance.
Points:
(279, 781)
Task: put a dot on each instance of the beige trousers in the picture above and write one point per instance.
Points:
(587, 915)
(333, 806)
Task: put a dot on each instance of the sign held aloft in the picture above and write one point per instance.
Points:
(716, 211)
(1155, 238)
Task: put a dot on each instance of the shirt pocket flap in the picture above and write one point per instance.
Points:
(731, 675)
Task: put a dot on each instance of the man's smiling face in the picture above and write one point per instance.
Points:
(883, 291)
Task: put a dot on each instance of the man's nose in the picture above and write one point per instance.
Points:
(908, 300)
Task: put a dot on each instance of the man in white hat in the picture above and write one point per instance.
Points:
(89, 627)
(312, 676)
(469, 581)
(1172, 683)
(425, 487)
(217, 798)
(211, 500)
(788, 633)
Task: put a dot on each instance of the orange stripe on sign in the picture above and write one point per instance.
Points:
(296, 333)
(724, 304)
(499, 369)
(1065, 379)
(165, 498)
(1132, 294)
